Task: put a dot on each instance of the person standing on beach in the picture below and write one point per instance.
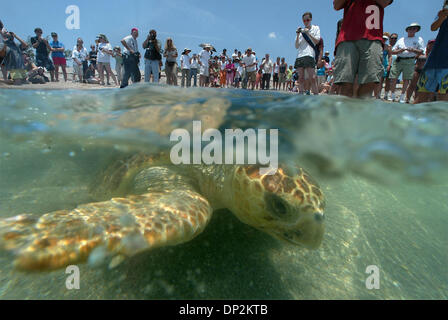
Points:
(306, 43)
(170, 53)
(434, 78)
(267, 67)
(92, 57)
(276, 74)
(250, 66)
(282, 74)
(153, 56)
(131, 57)
(43, 48)
(359, 46)
(194, 67)
(104, 53)
(58, 56)
(118, 63)
(392, 59)
(407, 50)
(79, 56)
(204, 58)
(185, 67)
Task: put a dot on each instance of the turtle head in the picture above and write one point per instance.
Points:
(288, 205)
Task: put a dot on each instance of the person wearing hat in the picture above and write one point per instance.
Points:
(433, 78)
(194, 67)
(407, 50)
(130, 58)
(204, 58)
(42, 50)
(104, 54)
(58, 56)
(153, 56)
(185, 66)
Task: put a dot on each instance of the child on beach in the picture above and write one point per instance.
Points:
(230, 70)
(258, 78)
(118, 63)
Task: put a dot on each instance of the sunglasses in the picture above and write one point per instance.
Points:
(306, 20)
(393, 38)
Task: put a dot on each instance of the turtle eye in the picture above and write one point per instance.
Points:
(276, 205)
(279, 207)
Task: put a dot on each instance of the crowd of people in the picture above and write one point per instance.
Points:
(367, 61)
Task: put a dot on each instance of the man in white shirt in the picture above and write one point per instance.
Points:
(306, 39)
(204, 57)
(250, 65)
(407, 50)
(267, 67)
(130, 58)
(194, 66)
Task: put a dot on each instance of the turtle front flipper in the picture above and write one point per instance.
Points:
(120, 226)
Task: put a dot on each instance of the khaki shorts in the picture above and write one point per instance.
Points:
(305, 62)
(252, 76)
(404, 65)
(361, 57)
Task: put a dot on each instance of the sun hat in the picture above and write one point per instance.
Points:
(54, 34)
(101, 35)
(414, 24)
(134, 29)
(185, 50)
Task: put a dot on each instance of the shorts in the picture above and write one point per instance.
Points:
(361, 57)
(104, 64)
(275, 77)
(282, 77)
(204, 71)
(251, 76)
(305, 62)
(44, 62)
(433, 80)
(58, 61)
(405, 66)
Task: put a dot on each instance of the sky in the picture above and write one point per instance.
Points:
(265, 26)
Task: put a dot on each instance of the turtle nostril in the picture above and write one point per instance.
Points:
(319, 216)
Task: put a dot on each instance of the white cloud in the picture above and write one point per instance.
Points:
(272, 35)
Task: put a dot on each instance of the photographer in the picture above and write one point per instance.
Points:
(153, 56)
(42, 50)
(14, 62)
(434, 75)
(307, 41)
(131, 58)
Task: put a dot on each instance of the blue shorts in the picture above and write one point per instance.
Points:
(433, 80)
(44, 62)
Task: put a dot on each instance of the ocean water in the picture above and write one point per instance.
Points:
(383, 168)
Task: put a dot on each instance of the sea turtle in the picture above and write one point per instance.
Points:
(153, 203)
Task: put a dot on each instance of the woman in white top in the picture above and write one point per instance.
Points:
(194, 66)
(170, 53)
(103, 58)
(185, 67)
(79, 56)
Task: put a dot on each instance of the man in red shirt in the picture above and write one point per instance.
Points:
(359, 46)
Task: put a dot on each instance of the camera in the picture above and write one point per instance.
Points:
(299, 30)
